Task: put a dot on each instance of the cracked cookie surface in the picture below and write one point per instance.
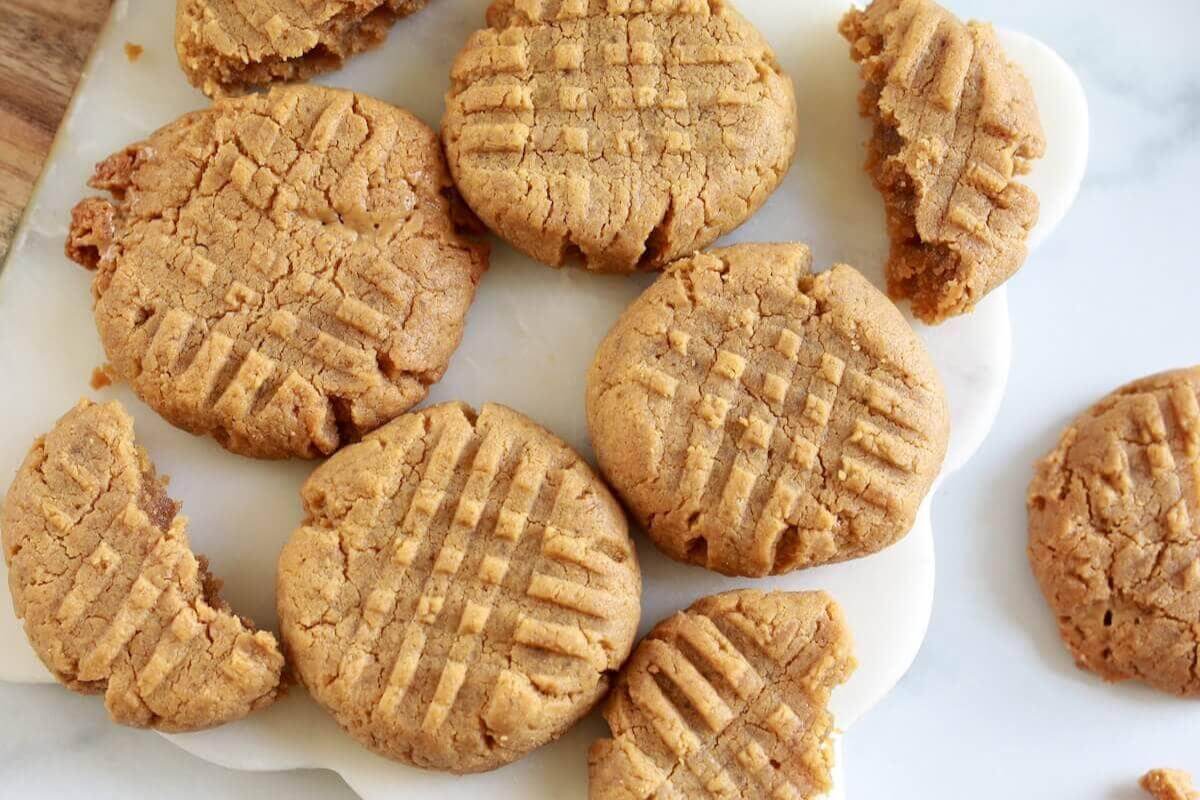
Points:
(461, 590)
(727, 699)
(955, 124)
(757, 418)
(618, 133)
(1113, 536)
(112, 597)
(229, 46)
(282, 271)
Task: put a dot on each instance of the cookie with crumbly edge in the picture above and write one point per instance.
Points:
(728, 698)
(462, 589)
(617, 134)
(757, 418)
(284, 271)
(113, 600)
(231, 46)
(956, 125)
(1113, 538)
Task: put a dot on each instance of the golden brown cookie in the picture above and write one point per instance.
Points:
(757, 418)
(229, 46)
(461, 590)
(1113, 534)
(113, 599)
(618, 133)
(727, 699)
(1169, 784)
(281, 271)
(955, 122)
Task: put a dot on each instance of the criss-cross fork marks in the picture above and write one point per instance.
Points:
(937, 61)
(1173, 472)
(621, 60)
(146, 601)
(694, 718)
(758, 449)
(258, 332)
(464, 539)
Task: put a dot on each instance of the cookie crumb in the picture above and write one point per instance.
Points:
(133, 51)
(100, 378)
(1169, 784)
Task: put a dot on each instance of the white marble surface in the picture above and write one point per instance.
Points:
(992, 707)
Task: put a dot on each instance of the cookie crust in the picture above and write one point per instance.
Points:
(619, 134)
(1113, 540)
(461, 590)
(281, 271)
(230, 46)
(113, 600)
(728, 698)
(955, 124)
(758, 419)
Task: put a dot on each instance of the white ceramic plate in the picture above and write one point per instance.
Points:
(529, 340)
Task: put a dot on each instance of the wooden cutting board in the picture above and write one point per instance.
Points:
(43, 47)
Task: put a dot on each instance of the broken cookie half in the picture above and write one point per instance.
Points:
(727, 699)
(229, 46)
(113, 599)
(955, 123)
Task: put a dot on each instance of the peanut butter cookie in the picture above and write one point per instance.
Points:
(727, 699)
(619, 133)
(1113, 535)
(461, 590)
(281, 271)
(757, 418)
(228, 46)
(955, 122)
(113, 599)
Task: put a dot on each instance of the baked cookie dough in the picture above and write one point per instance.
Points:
(955, 123)
(1113, 536)
(757, 418)
(727, 699)
(229, 46)
(461, 590)
(1169, 784)
(113, 600)
(620, 134)
(282, 271)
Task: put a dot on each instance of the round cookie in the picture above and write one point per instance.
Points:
(281, 271)
(461, 589)
(1113, 538)
(619, 133)
(727, 699)
(231, 45)
(956, 124)
(757, 419)
(113, 599)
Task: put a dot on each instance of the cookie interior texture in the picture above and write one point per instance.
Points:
(1113, 538)
(284, 271)
(727, 699)
(955, 124)
(618, 134)
(462, 589)
(757, 418)
(112, 598)
(229, 46)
